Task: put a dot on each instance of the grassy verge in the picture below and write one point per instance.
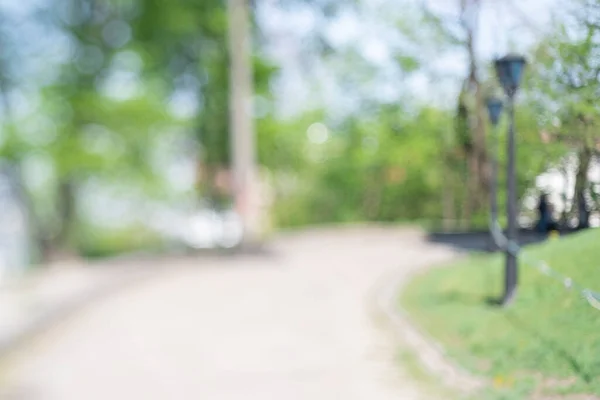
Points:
(546, 344)
(430, 385)
(96, 243)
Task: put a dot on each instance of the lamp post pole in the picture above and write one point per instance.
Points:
(510, 284)
(494, 193)
(494, 106)
(510, 70)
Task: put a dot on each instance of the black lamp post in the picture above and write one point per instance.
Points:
(494, 106)
(510, 71)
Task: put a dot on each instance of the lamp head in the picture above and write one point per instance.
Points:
(509, 70)
(494, 106)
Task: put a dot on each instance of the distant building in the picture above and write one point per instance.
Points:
(559, 184)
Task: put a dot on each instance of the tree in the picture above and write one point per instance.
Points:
(567, 81)
(461, 33)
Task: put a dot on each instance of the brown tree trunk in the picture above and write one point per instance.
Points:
(214, 184)
(469, 201)
(372, 196)
(581, 185)
(241, 122)
(61, 245)
(480, 169)
(478, 165)
(480, 153)
(448, 200)
(465, 138)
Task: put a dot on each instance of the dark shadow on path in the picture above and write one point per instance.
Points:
(480, 241)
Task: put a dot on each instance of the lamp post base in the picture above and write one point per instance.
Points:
(510, 287)
(508, 298)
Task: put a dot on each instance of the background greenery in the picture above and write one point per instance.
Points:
(115, 95)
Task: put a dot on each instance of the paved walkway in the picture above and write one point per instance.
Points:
(293, 325)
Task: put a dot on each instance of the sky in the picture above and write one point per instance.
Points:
(374, 33)
(505, 25)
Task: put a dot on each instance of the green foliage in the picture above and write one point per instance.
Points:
(545, 343)
(565, 73)
(97, 243)
(378, 168)
(408, 64)
(384, 162)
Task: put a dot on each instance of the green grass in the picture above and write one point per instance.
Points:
(430, 386)
(547, 343)
(96, 243)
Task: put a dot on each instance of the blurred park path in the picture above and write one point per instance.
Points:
(293, 324)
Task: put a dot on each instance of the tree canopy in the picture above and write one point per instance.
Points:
(135, 94)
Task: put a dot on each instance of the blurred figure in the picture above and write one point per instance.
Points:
(546, 222)
(584, 213)
(545, 217)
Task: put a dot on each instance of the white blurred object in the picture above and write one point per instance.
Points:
(200, 230)
(231, 230)
(207, 229)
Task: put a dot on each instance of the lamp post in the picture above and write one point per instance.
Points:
(509, 70)
(494, 106)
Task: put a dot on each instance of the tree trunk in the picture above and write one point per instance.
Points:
(372, 196)
(564, 216)
(581, 186)
(37, 232)
(478, 166)
(480, 153)
(478, 123)
(243, 153)
(61, 242)
(469, 201)
(448, 198)
(465, 138)
(38, 235)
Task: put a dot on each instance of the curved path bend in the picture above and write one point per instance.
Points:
(292, 325)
